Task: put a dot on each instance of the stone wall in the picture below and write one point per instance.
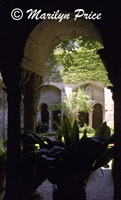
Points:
(55, 92)
(50, 94)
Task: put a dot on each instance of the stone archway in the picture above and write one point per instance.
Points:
(95, 90)
(49, 95)
(113, 61)
(48, 34)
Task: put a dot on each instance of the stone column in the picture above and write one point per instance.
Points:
(50, 122)
(31, 96)
(63, 97)
(103, 111)
(117, 152)
(111, 59)
(14, 189)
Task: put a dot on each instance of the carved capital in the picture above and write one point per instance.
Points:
(25, 77)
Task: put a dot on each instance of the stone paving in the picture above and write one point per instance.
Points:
(99, 187)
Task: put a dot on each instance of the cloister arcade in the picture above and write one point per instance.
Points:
(24, 55)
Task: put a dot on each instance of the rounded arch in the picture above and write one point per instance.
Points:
(94, 89)
(51, 86)
(48, 34)
(50, 94)
(97, 115)
(88, 82)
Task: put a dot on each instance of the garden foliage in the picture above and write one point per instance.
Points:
(77, 60)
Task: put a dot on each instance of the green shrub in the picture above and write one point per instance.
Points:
(42, 127)
(88, 130)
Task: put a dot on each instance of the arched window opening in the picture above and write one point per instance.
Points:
(97, 115)
(57, 118)
(44, 118)
(83, 118)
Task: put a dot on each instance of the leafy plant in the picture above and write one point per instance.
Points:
(42, 127)
(67, 164)
(69, 132)
(81, 158)
(77, 101)
(80, 60)
(55, 106)
(88, 130)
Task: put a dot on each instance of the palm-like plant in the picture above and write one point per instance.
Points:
(81, 158)
(68, 164)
